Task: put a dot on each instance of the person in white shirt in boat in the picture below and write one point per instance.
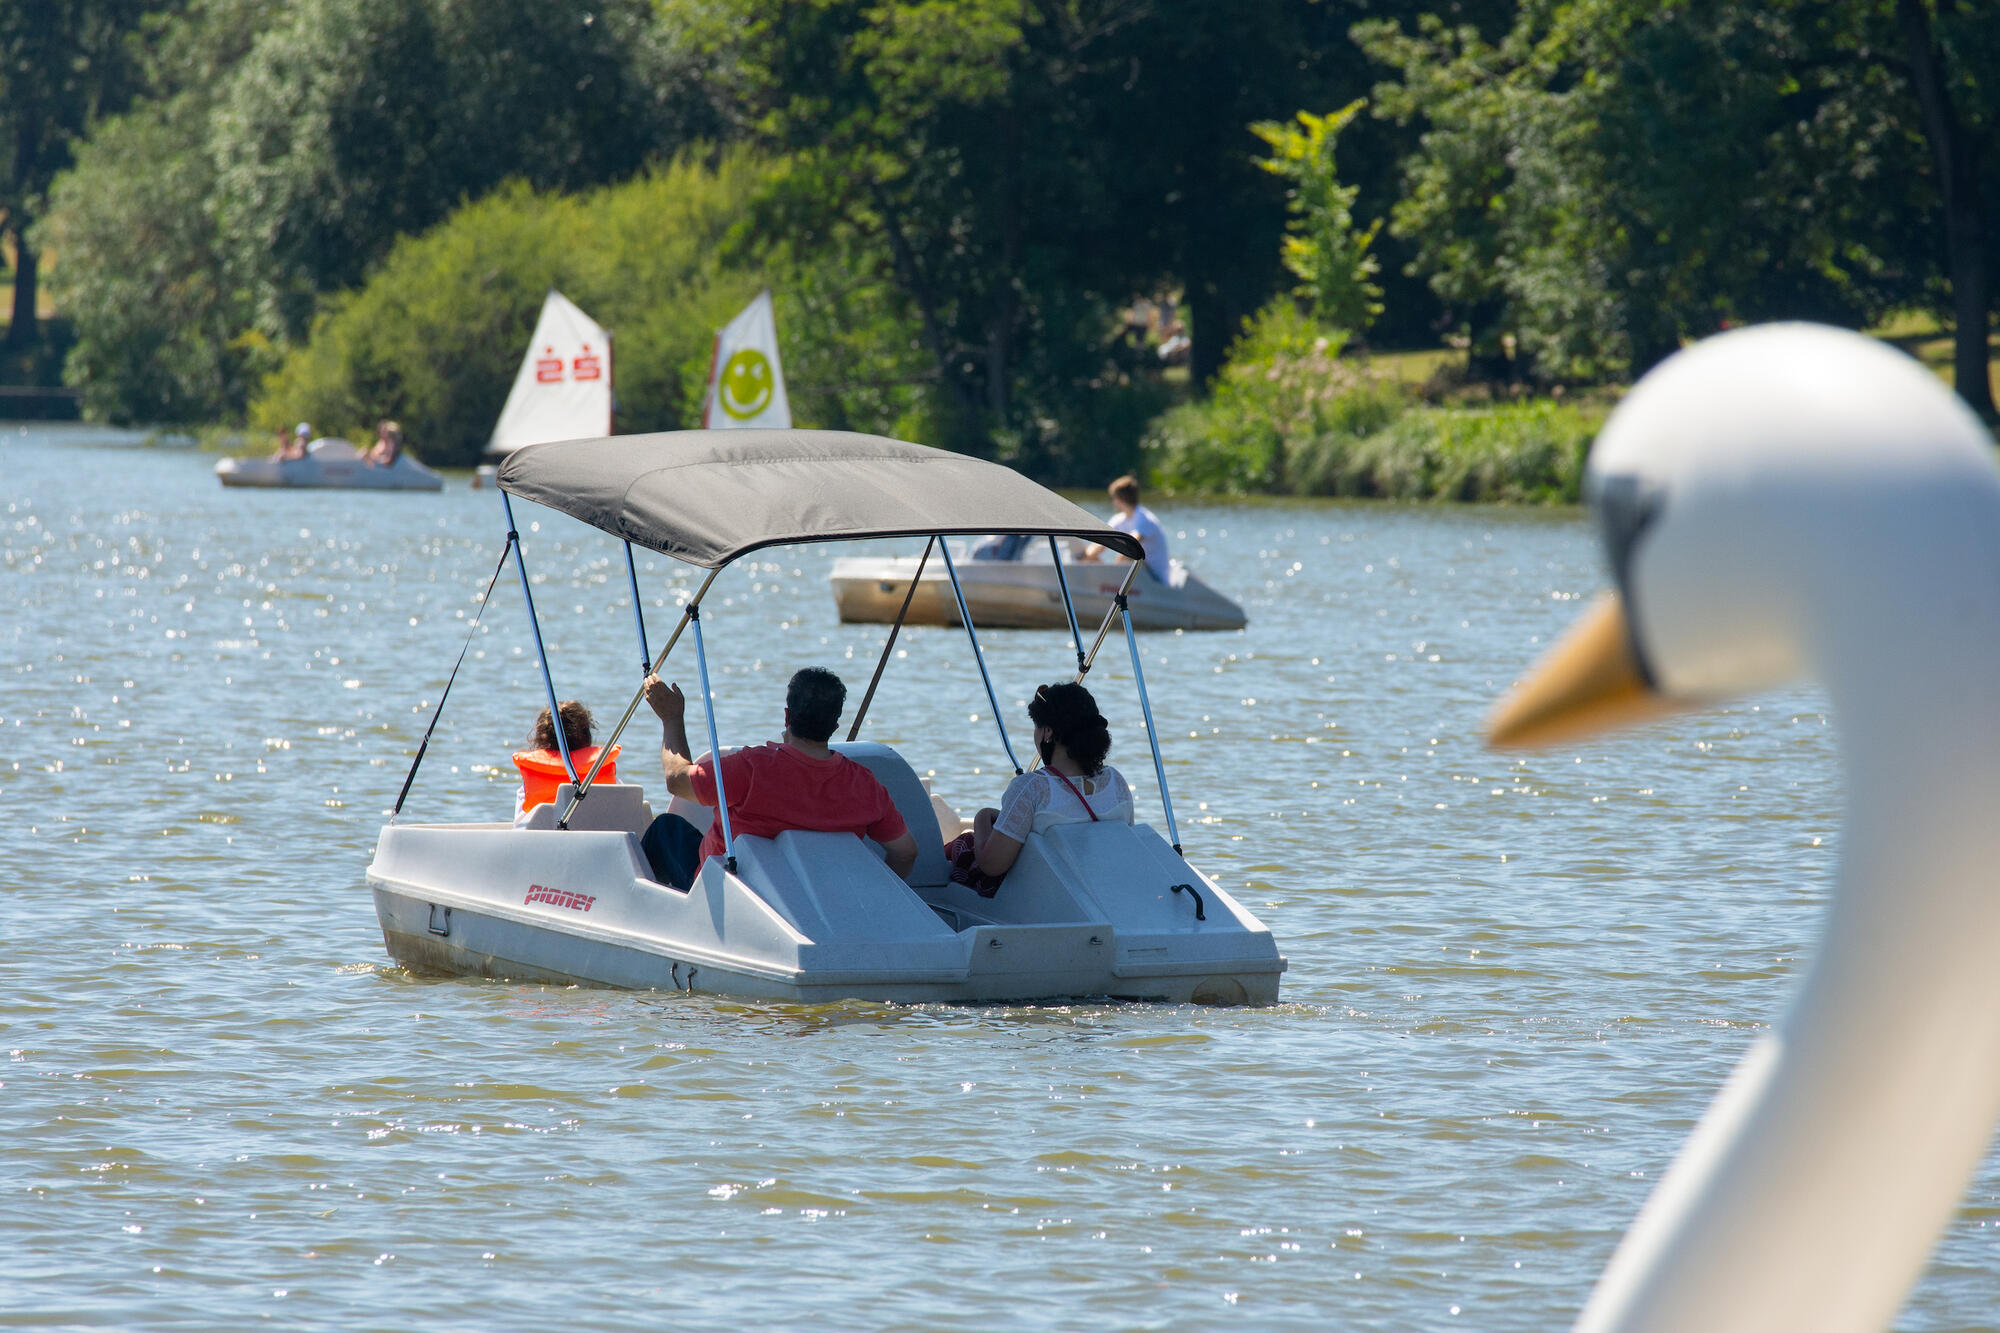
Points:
(1073, 786)
(1138, 520)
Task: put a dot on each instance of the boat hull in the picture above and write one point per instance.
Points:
(1089, 910)
(478, 945)
(346, 471)
(1005, 594)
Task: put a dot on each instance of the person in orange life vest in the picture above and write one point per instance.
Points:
(541, 763)
(795, 783)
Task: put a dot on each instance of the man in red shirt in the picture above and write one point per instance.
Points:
(796, 783)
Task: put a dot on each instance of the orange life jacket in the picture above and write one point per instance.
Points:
(542, 772)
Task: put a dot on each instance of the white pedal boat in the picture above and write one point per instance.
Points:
(333, 464)
(1097, 910)
(1026, 593)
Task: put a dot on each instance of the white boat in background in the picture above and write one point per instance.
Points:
(1098, 909)
(563, 388)
(330, 463)
(1025, 593)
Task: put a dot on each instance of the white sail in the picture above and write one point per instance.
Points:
(563, 389)
(746, 381)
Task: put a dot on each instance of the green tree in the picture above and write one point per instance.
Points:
(1504, 184)
(353, 122)
(290, 145)
(1322, 247)
(1950, 48)
(1022, 169)
(63, 64)
(435, 335)
(162, 334)
(1612, 177)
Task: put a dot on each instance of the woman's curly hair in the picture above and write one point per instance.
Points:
(1071, 713)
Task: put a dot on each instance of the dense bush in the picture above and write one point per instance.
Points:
(1290, 416)
(1284, 385)
(436, 334)
(1528, 452)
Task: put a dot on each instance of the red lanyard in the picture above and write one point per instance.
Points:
(1079, 796)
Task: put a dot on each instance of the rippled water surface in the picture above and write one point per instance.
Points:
(1514, 982)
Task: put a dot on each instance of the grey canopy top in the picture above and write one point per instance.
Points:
(708, 496)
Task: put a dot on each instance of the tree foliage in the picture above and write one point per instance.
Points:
(63, 63)
(1023, 169)
(1610, 178)
(976, 195)
(435, 335)
(353, 122)
(1323, 248)
(316, 135)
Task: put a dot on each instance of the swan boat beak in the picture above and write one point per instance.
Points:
(1590, 682)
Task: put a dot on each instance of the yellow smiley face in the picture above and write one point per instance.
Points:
(744, 388)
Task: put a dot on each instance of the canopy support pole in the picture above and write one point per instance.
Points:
(424, 745)
(1146, 706)
(894, 630)
(604, 751)
(1069, 607)
(979, 657)
(1110, 614)
(638, 611)
(541, 653)
(714, 746)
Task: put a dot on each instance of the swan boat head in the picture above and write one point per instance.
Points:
(1786, 502)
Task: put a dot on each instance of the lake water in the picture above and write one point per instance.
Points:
(1514, 982)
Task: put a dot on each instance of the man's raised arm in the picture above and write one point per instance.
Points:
(670, 706)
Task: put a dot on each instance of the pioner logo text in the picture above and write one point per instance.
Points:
(576, 902)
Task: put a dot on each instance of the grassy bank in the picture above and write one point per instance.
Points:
(1291, 416)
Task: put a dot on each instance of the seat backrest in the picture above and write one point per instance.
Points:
(542, 771)
(913, 803)
(1127, 871)
(613, 807)
(833, 888)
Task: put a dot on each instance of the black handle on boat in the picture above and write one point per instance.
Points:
(1200, 913)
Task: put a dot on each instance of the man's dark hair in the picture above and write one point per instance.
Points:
(814, 700)
(1126, 488)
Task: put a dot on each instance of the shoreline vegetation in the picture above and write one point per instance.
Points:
(1076, 240)
(1290, 415)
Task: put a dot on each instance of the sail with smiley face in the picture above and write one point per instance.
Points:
(563, 388)
(746, 381)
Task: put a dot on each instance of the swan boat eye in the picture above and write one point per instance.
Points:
(1626, 506)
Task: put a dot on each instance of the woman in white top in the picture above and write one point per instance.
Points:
(1073, 786)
